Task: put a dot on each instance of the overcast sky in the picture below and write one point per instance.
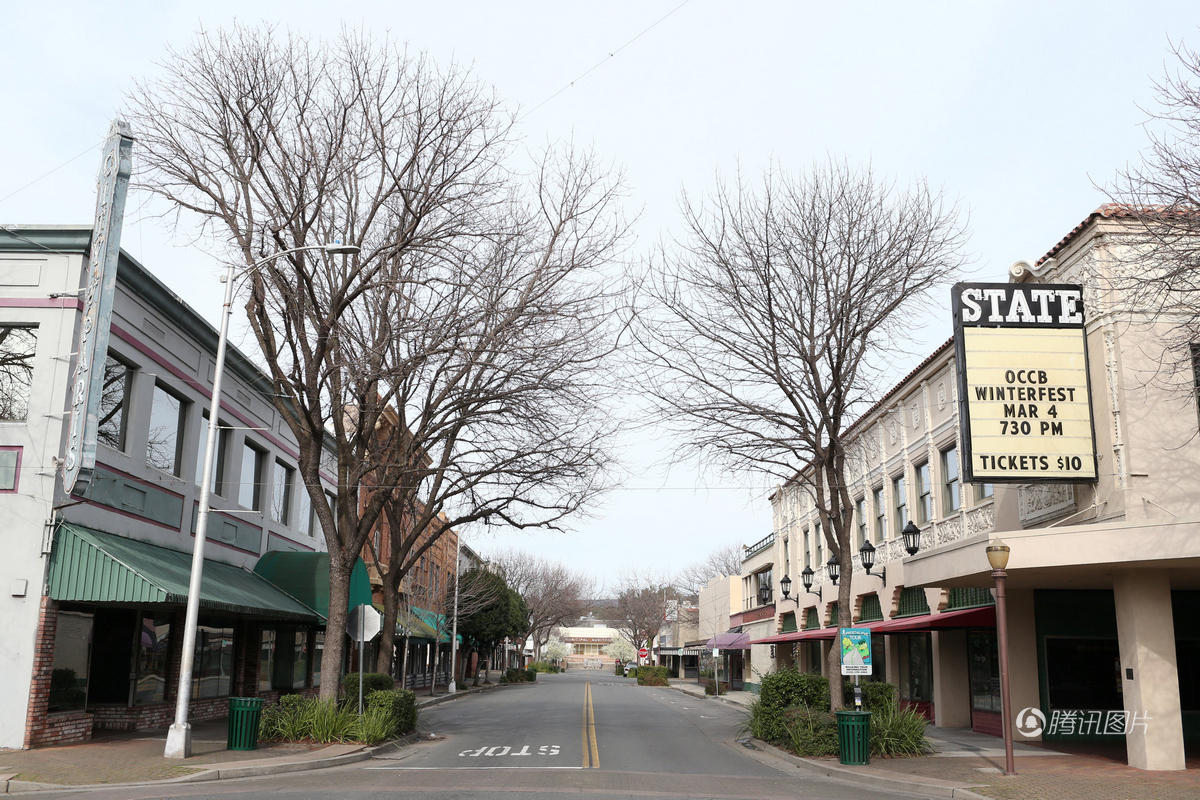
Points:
(1015, 109)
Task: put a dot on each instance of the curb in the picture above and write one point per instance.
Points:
(941, 789)
(231, 771)
(731, 703)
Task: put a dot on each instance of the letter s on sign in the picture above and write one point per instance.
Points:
(971, 312)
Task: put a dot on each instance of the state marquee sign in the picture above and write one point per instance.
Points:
(1023, 391)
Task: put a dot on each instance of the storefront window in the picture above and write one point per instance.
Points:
(1083, 673)
(153, 659)
(916, 681)
(266, 661)
(318, 654)
(984, 669)
(213, 669)
(900, 501)
(72, 648)
(924, 494)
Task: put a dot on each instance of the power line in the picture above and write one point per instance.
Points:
(597, 65)
(45, 175)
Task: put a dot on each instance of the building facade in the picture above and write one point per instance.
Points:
(98, 580)
(1104, 577)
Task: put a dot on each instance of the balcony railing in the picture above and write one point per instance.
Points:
(751, 550)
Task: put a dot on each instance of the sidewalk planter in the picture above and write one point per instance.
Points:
(244, 716)
(854, 737)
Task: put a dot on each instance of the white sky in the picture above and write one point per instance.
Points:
(1014, 108)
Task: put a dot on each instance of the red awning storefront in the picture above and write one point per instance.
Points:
(982, 617)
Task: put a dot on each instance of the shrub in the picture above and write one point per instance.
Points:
(898, 732)
(531, 675)
(633, 672)
(780, 690)
(710, 686)
(620, 668)
(372, 682)
(518, 675)
(544, 666)
(653, 676)
(810, 732)
(877, 695)
(400, 706)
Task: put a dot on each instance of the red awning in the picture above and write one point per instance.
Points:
(729, 640)
(982, 617)
(817, 633)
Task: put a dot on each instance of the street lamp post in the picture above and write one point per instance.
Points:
(451, 688)
(179, 736)
(997, 554)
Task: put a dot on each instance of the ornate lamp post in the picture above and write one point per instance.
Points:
(997, 554)
(866, 556)
(785, 586)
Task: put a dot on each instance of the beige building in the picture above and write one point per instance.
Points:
(1104, 577)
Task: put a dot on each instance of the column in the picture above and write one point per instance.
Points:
(951, 683)
(1022, 657)
(1149, 677)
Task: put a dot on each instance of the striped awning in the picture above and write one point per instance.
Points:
(90, 566)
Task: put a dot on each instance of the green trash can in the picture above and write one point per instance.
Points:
(854, 737)
(244, 714)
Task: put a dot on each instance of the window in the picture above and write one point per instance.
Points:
(318, 653)
(10, 466)
(880, 514)
(304, 515)
(251, 481)
(281, 491)
(900, 503)
(951, 499)
(763, 580)
(17, 346)
(807, 550)
(213, 670)
(924, 494)
(218, 466)
(153, 659)
(860, 518)
(163, 439)
(984, 491)
(72, 654)
(266, 661)
(114, 404)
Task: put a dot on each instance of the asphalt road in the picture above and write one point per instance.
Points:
(585, 733)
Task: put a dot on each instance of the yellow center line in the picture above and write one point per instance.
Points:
(591, 752)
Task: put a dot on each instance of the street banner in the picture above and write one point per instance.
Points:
(856, 650)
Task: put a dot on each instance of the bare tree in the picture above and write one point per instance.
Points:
(553, 594)
(450, 365)
(725, 560)
(641, 610)
(768, 326)
(1157, 270)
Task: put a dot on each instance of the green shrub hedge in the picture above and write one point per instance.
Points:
(780, 690)
(518, 675)
(894, 732)
(619, 668)
(398, 705)
(372, 682)
(877, 695)
(544, 666)
(653, 676)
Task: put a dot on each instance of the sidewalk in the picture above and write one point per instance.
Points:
(137, 757)
(965, 764)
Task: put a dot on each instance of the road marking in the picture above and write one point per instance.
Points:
(507, 750)
(591, 753)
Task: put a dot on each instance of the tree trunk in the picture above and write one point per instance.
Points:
(386, 657)
(335, 630)
(437, 651)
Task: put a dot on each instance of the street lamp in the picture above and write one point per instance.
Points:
(834, 569)
(997, 555)
(912, 538)
(866, 556)
(179, 736)
(806, 578)
(785, 586)
(764, 594)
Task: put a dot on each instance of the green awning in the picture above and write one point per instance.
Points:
(412, 625)
(433, 622)
(88, 566)
(305, 576)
